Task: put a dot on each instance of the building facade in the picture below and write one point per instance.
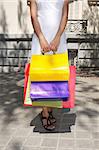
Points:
(15, 21)
(15, 15)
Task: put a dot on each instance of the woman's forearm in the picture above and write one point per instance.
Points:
(64, 19)
(37, 28)
(34, 19)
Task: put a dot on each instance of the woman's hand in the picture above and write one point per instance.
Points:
(44, 44)
(55, 43)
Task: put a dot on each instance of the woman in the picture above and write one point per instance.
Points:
(49, 19)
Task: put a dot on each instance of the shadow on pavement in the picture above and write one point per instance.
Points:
(11, 100)
(64, 122)
(12, 111)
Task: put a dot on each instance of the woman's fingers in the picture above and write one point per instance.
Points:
(52, 47)
(46, 49)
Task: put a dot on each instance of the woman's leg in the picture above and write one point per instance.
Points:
(52, 118)
(50, 109)
(45, 112)
(45, 118)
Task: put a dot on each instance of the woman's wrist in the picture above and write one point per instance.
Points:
(58, 35)
(41, 36)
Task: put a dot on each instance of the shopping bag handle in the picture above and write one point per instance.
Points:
(43, 53)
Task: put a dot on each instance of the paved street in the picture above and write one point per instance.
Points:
(77, 129)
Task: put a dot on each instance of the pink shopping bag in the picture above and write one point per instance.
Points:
(71, 100)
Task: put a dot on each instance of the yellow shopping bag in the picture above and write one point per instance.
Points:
(49, 67)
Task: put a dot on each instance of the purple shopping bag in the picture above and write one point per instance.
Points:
(49, 90)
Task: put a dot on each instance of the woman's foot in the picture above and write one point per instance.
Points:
(51, 117)
(46, 122)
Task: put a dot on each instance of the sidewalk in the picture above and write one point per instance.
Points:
(77, 129)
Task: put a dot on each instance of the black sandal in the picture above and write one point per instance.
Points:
(47, 125)
(51, 117)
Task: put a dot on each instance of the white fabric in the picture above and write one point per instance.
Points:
(49, 17)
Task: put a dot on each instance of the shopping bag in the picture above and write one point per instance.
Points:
(49, 90)
(28, 102)
(71, 100)
(58, 104)
(26, 74)
(49, 67)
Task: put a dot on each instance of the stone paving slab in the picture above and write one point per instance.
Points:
(77, 129)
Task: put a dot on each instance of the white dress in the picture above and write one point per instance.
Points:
(49, 17)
